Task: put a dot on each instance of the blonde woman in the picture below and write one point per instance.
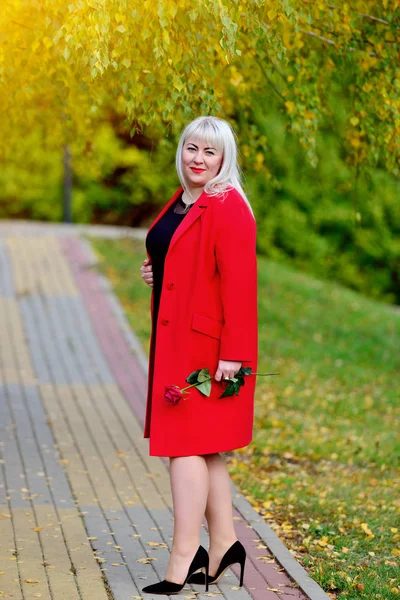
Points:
(202, 266)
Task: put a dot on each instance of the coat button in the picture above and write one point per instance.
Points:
(170, 285)
(164, 322)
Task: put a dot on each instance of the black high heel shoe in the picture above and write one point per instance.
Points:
(235, 554)
(201, 559)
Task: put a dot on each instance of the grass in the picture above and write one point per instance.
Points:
(323, 466)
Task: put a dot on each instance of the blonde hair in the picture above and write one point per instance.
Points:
(217, 133)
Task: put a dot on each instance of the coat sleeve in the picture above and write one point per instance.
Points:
(235, 251)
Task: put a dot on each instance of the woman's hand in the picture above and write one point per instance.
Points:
(227, 369)
(147, 272)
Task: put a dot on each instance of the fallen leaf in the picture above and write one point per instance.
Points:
(322, 543)
(145, 559)
(266, 559)
(32, 580)
(366, 529)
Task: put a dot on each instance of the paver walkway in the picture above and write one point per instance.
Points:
(85, 513)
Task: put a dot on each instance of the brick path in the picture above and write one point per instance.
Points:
(85, 513)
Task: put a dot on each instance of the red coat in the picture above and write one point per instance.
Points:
(208, 311)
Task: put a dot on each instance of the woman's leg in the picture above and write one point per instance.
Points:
(219, 512)
(190, 486)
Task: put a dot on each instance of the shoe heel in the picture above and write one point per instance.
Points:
(242, 571)
(207, 575)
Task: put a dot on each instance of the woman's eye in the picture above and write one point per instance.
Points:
(210, 152)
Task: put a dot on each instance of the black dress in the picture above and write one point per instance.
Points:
(157, 244)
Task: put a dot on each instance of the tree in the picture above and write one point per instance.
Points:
(169, 60)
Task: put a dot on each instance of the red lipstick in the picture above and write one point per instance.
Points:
(197, 170)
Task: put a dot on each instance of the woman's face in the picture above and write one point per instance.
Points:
(200, 162)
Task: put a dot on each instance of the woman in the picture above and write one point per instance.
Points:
(202, 266)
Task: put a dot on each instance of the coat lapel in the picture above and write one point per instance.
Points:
(194, 213)
(166, 207)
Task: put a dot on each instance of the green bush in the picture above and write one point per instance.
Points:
(30, 185)
(129, 179)
(324, 220)
(113, 182)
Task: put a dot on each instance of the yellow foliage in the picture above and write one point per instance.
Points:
(290, 106)
(355, 142)
(65, 63)
(366, 529)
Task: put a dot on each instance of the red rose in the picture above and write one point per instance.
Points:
(173, 394)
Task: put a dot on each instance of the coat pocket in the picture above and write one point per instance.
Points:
(207, 325)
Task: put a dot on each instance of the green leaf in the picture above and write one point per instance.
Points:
(244, 371)
(203, 374)
(231, 389)
(192, 378)
(205, 387)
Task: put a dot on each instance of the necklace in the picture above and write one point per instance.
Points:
(181, 207)
(186, 200)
